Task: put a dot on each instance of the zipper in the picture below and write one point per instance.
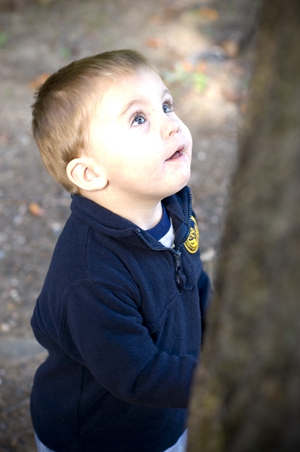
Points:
(177, 255)
(176, 252)
(190, 211)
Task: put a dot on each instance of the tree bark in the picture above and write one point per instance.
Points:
(246, 393)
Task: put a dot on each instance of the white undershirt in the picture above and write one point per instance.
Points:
(168, 239)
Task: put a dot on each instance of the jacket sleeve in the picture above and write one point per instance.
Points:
(104, 330)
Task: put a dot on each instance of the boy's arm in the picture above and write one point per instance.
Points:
(109, 338)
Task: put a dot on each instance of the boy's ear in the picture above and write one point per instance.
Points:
(86, 174)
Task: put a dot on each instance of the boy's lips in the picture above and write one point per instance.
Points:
(177, 153)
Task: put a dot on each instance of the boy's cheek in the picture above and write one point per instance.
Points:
(188, 136)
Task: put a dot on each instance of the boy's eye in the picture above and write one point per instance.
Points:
(139, 119)
(167, 107)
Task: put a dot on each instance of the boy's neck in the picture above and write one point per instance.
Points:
(146, 215)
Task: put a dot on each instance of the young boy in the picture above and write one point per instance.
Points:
(122, 305)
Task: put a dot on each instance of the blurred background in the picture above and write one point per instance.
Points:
(204, 53)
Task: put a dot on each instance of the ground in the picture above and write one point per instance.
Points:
(204, 52)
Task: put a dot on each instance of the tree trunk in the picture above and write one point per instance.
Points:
(246, 394)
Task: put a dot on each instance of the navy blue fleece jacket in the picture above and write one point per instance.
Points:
(120, 316)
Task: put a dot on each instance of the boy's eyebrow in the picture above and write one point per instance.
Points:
(130, 104)
(140, 101)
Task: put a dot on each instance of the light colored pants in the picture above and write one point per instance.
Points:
(180, 446)
(40, 446)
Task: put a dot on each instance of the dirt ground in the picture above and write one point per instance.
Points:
(204, 52)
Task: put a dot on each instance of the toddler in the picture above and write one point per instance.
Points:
(122, 307)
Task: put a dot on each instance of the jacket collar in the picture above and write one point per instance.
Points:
(179, 207)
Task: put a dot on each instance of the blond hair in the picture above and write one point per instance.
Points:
(65, 103)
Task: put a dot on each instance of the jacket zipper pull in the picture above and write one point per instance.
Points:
(177, 268)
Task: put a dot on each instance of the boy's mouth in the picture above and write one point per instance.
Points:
(177, 153)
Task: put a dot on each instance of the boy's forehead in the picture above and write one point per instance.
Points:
(134, 88)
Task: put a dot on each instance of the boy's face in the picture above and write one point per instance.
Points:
(144, 148)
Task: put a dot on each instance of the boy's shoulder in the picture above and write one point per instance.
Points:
(92, 228)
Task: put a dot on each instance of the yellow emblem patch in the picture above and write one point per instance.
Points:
(192, 242)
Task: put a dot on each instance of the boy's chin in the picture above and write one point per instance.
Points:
(185, 181)
(177, 188)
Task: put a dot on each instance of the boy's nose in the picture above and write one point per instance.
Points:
(170, 126)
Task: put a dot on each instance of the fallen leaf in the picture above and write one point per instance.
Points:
(171, 12)
(232, 95)
(156, 19)
(231, 48)
(243, 108)
(201, 67)
(208, 13)
(154, 42)
(36, 210)
(187, 66)
(38, 81)
(4, 138)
